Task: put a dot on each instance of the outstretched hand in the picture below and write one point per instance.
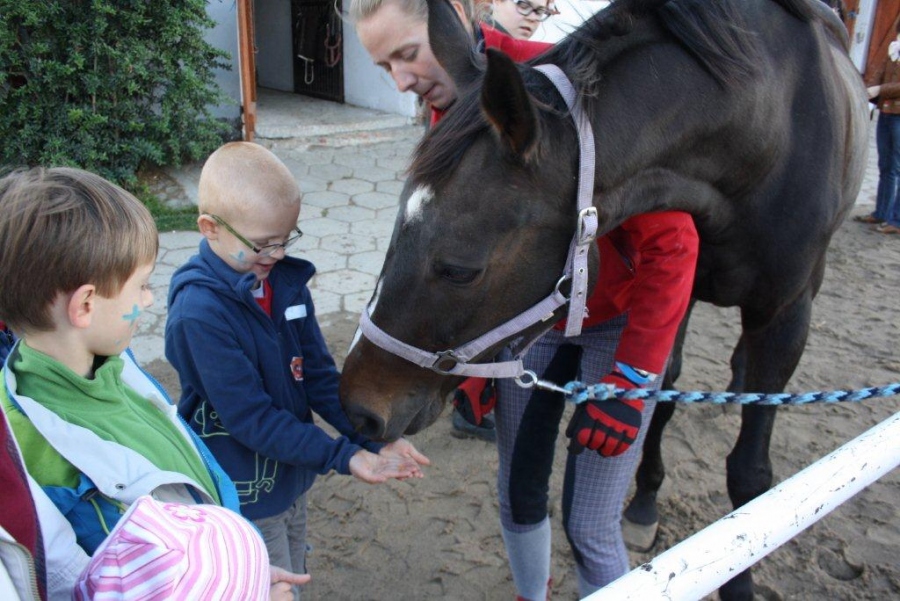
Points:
(402, 448)
(282, 583)
(376, 469)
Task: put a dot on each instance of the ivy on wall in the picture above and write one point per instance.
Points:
(107, 85)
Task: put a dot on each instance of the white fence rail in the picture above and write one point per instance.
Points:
(702, 563)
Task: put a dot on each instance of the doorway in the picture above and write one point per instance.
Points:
(317, 36)
(293, 46)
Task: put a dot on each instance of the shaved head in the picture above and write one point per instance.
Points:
(243, 176)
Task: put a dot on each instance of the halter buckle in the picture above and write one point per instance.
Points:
(586, 228)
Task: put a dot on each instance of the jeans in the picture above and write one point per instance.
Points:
(887, 138)
(285, 537)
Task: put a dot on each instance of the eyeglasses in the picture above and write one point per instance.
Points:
(264, 251)
(525, 8)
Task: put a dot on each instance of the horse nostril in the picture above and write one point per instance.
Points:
(367, 423)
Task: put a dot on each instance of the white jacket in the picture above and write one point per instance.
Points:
(16, 570)
(118, 472)
(63, 558)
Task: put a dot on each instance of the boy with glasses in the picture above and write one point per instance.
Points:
(520, 18)
(253, 364)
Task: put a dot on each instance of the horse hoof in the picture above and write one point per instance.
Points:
(639, 537)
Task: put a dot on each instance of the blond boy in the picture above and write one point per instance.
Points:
(253, 364)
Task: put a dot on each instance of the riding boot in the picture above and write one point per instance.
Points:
(463, 429)
(529, 560)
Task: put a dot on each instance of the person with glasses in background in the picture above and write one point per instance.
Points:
(520, 18)
(243, 336)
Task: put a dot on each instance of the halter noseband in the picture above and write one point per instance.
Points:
(455, 362)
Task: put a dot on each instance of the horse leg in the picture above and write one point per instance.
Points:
(738, 367)
(765, 359)
(640, 520)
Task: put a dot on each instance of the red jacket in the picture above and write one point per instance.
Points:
(647, 264)
(647, 269)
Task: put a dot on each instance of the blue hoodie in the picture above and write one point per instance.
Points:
(249, 383)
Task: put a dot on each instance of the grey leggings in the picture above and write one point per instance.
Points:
(594, 487)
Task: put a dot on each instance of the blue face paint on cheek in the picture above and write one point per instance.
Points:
(239, 257)
(132, 317)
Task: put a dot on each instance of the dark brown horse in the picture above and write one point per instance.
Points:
(747, 114)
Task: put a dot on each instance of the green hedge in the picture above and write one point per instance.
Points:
(107, 85)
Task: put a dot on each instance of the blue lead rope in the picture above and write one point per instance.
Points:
(578, 392)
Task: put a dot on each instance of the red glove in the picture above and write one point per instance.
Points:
(474, 399)
(609, 427)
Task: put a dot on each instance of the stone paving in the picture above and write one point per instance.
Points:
(351, 181)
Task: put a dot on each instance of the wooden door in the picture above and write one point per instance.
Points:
(884, 31)
(851, 11)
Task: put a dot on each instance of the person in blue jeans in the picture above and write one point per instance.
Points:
(886, 94)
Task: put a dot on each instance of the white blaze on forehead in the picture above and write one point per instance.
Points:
(417, 201)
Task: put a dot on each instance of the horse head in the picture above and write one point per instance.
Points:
(682, 94)
(468, 253)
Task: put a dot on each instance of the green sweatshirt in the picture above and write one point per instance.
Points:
(106, 406)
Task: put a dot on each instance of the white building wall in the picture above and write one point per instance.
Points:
(572, 13)
(369, 86)
(224, 36)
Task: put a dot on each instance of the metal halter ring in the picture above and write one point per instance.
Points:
(528, 379)
(445, 362)
(559, 283)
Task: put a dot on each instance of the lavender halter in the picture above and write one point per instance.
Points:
(456, 361)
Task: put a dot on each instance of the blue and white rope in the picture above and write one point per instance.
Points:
(578, 392)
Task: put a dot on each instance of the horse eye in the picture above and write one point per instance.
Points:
(457, 275)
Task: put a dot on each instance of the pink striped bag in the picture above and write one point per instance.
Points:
(175, 551)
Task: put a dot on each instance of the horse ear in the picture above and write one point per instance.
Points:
(506, 104)
(451, 43)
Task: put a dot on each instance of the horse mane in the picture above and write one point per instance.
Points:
(440, 150)
(714, 32)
